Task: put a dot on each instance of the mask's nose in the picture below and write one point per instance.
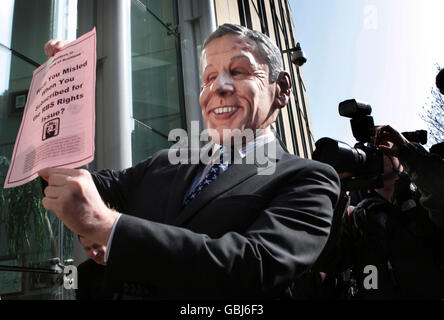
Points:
(223, 84)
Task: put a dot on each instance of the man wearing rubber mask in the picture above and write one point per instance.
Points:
(220, 229)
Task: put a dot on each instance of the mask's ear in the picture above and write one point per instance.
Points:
(283, 90)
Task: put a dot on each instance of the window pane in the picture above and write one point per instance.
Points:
(29, 236)
(155, 77)
(146, 142)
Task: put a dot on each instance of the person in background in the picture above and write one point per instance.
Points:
(391, 244)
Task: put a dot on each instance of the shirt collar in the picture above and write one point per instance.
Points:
(241, 152)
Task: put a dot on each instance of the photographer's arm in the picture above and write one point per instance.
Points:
(424, 169)
(427, 173)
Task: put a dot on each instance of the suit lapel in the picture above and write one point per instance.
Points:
(227, 180)
(180, 184)
(235, 174)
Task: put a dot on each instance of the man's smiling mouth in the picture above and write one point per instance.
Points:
(224, 111)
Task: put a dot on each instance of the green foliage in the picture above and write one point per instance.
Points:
(23, 217)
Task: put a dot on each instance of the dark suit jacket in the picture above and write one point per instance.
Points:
(245, 235)
(90, 282)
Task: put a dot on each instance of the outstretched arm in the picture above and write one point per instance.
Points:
(424, 169)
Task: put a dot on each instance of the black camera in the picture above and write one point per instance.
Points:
(440, 81)
(419, 136)
(438, 149)
(364, 161)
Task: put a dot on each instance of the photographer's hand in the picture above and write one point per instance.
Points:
(390, 141)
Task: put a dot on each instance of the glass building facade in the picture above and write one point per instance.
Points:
(29, 236)
(147, 84)
(157, 88)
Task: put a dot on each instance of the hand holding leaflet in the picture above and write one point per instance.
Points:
(57, 128)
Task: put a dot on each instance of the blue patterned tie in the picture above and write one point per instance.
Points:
(214, 172)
